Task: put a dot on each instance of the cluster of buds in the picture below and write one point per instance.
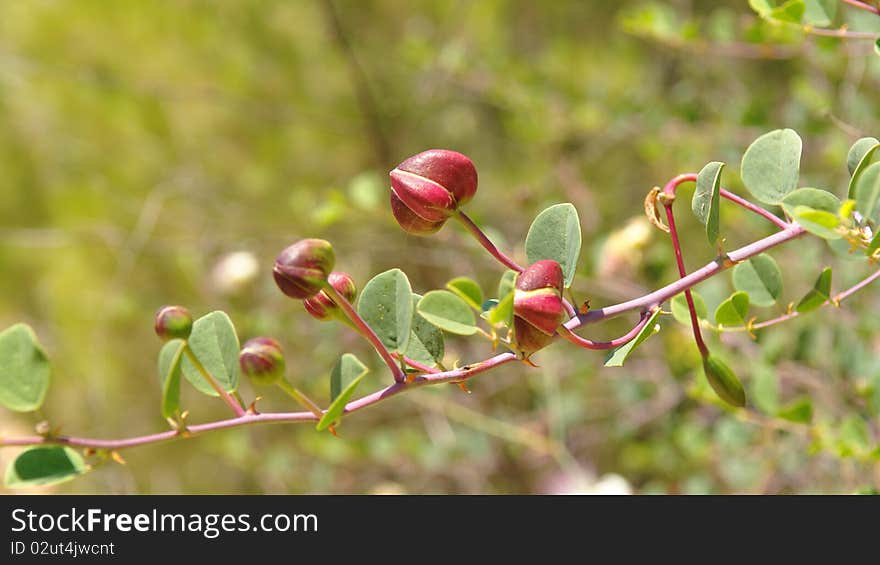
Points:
(322, 307)
(427, 189)
(537, 306)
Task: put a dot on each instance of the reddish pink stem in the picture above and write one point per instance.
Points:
(572, 337)
(863, 6)
(415, 364)
(487, 243)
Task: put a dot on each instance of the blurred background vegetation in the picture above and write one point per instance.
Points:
(161, 153)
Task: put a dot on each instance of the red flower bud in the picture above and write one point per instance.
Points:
(173, 322)
(262, 360)
(428, 188)
(322, 307)
(537, 305)
(302, 269)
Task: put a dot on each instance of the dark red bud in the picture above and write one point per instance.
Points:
(322, 307)
(302, 269)
(173, 322)
(409, 221)
(431, 186)
(537, 305)
(262, 360)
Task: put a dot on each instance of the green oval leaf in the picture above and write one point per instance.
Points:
(448, 312)
(468, 290)
(556, 234)
(170, 357)
(818, 222)
(680, 310)
(706, 201)
(24, 369)
(858, 159)
(818, 295)
(819, 12)
(426, 340)
(386, 306)
(815, 198)
(761, 278)
(507, 283)
(348, 368)
(734, 311)
(44, 465)
(867, 194)
(617, 357)
(791, 11)
(215, 344)
(771, 165)
(723, 381)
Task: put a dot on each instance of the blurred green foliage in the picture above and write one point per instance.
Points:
(143, 143)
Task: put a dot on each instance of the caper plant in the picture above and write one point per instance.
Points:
(526, 313)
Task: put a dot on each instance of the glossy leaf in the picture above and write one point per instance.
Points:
(468, 290)
(706, 201)
(617, 357)
(867, 193)
(346, 369)
(350, 369)
(818, 222)
(734, 311)
(819, 12)
(680, 310)
(170, 357)
(791, 11)
(502, 313)
(24, 369)
(215, 344)
(556, 234)
(858, 159)
(386, 306)
(771, 165)
(761, 278)
(426, 340)
(818, 295)
(723, 381)
(44, 465)
(448, 312)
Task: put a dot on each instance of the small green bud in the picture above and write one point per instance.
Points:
(302, 269)
(724, 381)
(262, 360)
(173, 322)
(322, 307)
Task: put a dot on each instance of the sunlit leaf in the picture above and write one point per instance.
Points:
(349, 369)
(44, 465)
(24, 369)
(867, 193)
(215, 344)
(706, 200)
(818, 295)
(761, 278)
(617, 357)
(819, 12)
(771, 165)
(734, 311)
(680, 310)
(170, 357)
(346, 369)
(858, 158)
(448, 312)
(386, 306)
(556, 234)
(502, 313)
(426, 344)
(468, 290)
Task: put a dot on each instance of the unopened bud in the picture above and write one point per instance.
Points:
(429, 187)
(302, 269)
(262, 360)
(723, 381)
(173, 322)
(322, 307)
(537, 305)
